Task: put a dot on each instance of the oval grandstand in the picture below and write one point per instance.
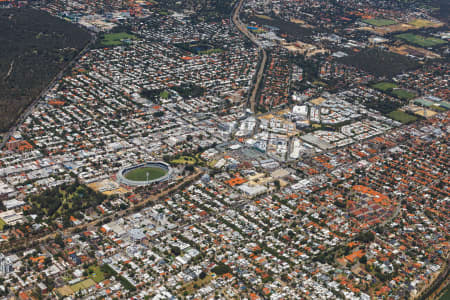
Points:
(122, 174)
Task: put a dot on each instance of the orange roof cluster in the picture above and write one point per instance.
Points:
(377, 197)
(236, 181)
(356, 254)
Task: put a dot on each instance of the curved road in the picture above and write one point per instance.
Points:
(243, 29)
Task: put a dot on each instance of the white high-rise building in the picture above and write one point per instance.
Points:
(267, 6)
(5, 264)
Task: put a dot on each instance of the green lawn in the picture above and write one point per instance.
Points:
(140, 174)
(116, 39)
(2, 224)
(164, 94)
(96, 274)
(420, 40)
(384, 86)
(402, 117)
(403, 94)
(380, 22)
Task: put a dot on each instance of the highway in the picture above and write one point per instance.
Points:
(259, 75)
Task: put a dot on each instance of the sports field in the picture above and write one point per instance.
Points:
(384, 86)
(380, 22)
(140, 174)
(115, 39)
(403, 94)
(82, 285)
(420, 40)
(402, 117)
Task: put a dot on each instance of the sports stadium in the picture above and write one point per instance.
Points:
(145, 174)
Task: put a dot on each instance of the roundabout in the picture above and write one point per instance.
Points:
(145, 174)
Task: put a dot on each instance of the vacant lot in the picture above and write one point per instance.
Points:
(402, 117)
(420, 40)
(380, 22)
(140, 174)
(116, 39)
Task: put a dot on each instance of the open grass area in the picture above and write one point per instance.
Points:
(420, 40)
(96, 274)
(2, 224)
(140, 174)
(82, 285)
(402, 117)
(187, 160)
(403, 94)
(211, 51)
(384, 86)
(116, 39)
(392, 89)
(380, 22)
(420, 23)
